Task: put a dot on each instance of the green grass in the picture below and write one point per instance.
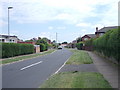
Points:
(79, 57)
(76, 80)
(24, 57)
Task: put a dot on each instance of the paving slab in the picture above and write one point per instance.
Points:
(81, 68)
(106, 68)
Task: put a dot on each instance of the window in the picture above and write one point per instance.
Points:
(101, 34)
(85, 39)
(2, 40)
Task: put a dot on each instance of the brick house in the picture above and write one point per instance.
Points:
(103, 30)
(88, 36)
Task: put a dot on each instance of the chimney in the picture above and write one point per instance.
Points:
(96, 29)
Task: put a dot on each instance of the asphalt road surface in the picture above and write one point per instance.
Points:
(32, 73)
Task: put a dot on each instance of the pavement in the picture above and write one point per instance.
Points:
(80, 68)
(33, 72)
(101, 65)
(106, 68)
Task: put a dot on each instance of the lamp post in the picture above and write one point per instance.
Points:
(9, 23)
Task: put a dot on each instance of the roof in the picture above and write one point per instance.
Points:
(7, 36)
(105, 29)
(90, 35)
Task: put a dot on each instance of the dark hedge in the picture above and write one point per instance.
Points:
(15, 49)
(79, 45)
(109, 44)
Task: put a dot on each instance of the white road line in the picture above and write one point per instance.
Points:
(31, 65)
(61, 66)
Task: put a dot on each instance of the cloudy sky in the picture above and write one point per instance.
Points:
(68, 18)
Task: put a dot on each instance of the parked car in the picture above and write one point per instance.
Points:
(59, 47)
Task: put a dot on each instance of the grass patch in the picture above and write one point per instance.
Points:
(79, 57)
(18, 58)
(76, 80)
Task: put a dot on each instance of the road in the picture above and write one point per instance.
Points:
(32, 73)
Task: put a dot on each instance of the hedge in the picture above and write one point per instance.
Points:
(15, 49)
(43, 47)
(109, 44)
(79, 45)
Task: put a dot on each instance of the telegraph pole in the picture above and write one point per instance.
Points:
(56, 40)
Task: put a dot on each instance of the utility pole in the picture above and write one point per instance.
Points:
(56, 40)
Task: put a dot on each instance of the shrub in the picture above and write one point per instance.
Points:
(79, 45)
(15, 49)
(42, 47)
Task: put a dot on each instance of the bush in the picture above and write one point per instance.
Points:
(109, 44)
(15, 49)
(79, 45)
(42, 47)
(89, 42)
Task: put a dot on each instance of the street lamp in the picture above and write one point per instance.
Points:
(9, 23)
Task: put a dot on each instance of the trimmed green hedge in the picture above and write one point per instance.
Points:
(15, 49)
(43, 47)
(109, 44)
(79, 45)
(89, 42)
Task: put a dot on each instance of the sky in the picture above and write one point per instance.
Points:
(70, 19)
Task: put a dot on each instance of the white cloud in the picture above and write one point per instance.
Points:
(71, 11)
(61, 28)
(2, 23)
(83, 30)
(45, 34)
(50, 27)
(83, 24)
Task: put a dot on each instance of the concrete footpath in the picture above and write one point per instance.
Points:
(106, 68)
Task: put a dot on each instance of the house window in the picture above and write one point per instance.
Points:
(101, 34)
(2, 40)
(85, 39)
(10, 40)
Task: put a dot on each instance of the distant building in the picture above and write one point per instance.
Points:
(103, 30)
(63, 45)
(10, 39)
(74, 41)
(88, 36)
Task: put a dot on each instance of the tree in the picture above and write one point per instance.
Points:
(79, 39)
(43, 41)
(64, 42)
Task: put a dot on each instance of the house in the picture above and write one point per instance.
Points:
(104, 30)
(63, 45)
(6, 39)
(73, 44)
(88, 36)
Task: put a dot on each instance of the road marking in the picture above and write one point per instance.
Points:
(31, 65)
(61, 66)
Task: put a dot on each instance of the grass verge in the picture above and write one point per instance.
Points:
(76, 80)
(79, 57)
(24, 57)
